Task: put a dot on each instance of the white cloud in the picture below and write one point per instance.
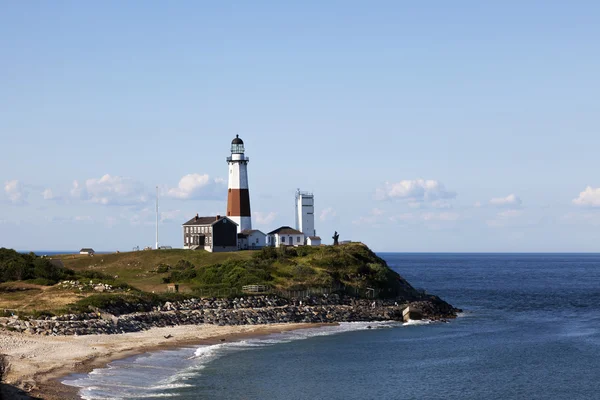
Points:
(509, 201)
(48, 195)
(111, 221)
(373, 218)
(111, 190)
(510, 213)
(578, 218)
(443, 216)
(477, 204)
(402, 217)
(197, 186)
(77, 191)
(377, 212)
(145, 216)
(417, 190)
(58, 219)
(168, 216)
(15, 192)
(507, 218)
(262, 218)
(590, 197)
(327, 214)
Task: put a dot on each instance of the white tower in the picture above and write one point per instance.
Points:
(305, 213)
(238, 195)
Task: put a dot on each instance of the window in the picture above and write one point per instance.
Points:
(297, 239)
(187, 229)
(283, 239)
(256, 240)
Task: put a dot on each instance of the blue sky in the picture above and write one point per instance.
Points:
(446, 126)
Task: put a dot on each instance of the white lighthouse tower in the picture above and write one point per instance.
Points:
(238, 195)
(305, 213)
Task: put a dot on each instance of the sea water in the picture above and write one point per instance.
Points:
(530, 330)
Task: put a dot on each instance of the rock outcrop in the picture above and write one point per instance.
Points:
(239, 311)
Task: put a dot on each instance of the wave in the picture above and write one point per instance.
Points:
(161, 373)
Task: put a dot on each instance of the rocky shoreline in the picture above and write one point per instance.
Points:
(252, 310)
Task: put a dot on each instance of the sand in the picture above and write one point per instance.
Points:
(36, 362)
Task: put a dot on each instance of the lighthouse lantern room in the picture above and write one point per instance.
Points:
(238, 195)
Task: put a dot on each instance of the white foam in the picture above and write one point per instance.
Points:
(170, 369)
(413, 322)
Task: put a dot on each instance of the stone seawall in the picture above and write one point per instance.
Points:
(240, 311)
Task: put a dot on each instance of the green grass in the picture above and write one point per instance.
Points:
(138, 268)
(142, 276)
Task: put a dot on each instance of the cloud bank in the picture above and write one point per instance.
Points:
(111, 190)
(590, 197)
(197, 187)
(15, 192)
(509, 201)
(417, 190)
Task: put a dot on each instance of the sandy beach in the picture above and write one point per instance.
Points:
(36, 362)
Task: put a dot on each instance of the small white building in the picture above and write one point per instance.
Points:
(313, 241)
(251, 239)
(88, 251)
(285, 236)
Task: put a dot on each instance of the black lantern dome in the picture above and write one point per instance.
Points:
(237, 145)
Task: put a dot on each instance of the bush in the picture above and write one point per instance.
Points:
(303, 271)
(118, 304)
(84, 275)
(162, 268)
(266, 253)
(183, 264)
(15, 266)
(41, 281)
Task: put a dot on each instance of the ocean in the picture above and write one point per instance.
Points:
(530, 330)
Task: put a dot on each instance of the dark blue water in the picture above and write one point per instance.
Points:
(531, 330)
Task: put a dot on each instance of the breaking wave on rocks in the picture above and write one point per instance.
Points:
(160, 374)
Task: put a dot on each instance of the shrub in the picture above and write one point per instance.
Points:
(162, 268)
(41, 281)
(183, 264)
(84, 275)
(266, 253)
(15, 266)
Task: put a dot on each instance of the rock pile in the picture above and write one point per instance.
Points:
(240, 311)
(98, 287)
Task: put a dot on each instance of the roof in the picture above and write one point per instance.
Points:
(86, 249)
(237, 140)
(285, 230)
(314, 237)
(206, 220)
(251, 231)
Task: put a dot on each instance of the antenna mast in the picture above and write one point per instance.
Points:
(157, 218)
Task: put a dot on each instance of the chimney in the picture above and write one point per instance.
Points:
(218, 217)
(196, 217)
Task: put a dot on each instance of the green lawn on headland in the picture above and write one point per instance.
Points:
(351, 266)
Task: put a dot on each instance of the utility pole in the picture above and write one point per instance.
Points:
(157, 218)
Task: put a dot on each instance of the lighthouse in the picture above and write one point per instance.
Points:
(238, 195)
